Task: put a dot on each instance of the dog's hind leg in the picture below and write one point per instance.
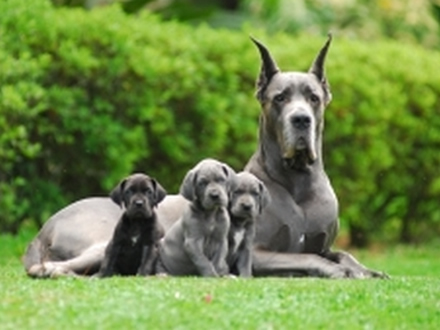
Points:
(87, 263)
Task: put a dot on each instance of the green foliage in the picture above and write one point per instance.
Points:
(88, 97)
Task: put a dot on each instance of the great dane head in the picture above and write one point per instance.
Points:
(248, 196)
(139, 194)
(207, 184)
(293, 107)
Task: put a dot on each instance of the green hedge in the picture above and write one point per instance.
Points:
(88, 97)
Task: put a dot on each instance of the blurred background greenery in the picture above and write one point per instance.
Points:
(92, 90)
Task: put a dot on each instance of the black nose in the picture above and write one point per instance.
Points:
(214, 194)
(246, 206)
(301, 121)
(139, 202)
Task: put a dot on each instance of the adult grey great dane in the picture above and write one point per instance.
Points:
(295, 231)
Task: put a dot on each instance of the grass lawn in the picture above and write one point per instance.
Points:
(410, 300)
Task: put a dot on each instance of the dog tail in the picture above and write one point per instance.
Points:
(34, 254)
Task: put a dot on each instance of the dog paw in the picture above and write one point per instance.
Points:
(48, 270)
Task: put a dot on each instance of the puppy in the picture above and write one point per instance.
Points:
(133, 247)
(197, 243)
(248, 197)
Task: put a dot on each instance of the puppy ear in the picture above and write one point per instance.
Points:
(159, 192)
(187, 186)
(117, 193)
(264, 197)
(229, 172)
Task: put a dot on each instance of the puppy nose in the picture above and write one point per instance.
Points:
(214, 194)
(246, 206)
(301, 121)
(139, 202)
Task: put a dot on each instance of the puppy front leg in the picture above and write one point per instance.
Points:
(219, 259)
(149, 255)
(108, 263)
(244, 259)
(194, 249)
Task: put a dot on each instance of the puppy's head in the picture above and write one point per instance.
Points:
(248, 196)
(139, 194)
(207, 184)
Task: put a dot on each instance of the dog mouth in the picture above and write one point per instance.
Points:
(301, 154)
(137, 212)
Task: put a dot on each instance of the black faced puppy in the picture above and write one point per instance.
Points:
(248, 197)
(133, 247)
(197, 243)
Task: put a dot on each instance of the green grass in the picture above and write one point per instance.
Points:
(410, 300)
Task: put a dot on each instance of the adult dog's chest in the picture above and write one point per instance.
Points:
(302, 222)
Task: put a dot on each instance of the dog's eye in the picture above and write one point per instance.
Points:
(202, 182)
(220, 180)
(280, 98)
(148, 191)
(314, 98)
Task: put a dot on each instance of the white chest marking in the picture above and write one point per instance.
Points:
(134, 239)
(238, 238)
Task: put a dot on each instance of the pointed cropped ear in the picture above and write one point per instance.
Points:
(159, 192)
(318, 70)
(117, 193)
(268, 69)
(187, 187)
(264, 197)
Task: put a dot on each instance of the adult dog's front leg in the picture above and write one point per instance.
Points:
(297, 264)
(194, 249)
(347, 260)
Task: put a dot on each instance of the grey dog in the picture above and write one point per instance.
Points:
(133, 247)
(295, 232)
(248, 198)
(197, 243)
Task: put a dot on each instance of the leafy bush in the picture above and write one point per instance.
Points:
(88, 97)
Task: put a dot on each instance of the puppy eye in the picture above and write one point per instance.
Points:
(202, 183)
(314, 98)
(148, 191)
(220, 180)
(279, 98)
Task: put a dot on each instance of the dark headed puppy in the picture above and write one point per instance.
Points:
(133, 247)
(197, 243)
(248, 197)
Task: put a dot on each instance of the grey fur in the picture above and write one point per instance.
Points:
(248, 198)
(197, 243)
(295, 232)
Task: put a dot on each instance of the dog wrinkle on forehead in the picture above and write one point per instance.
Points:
(294, 82)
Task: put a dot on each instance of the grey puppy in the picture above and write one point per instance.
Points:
(133, 247)
(248, 198)
(197, 243)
